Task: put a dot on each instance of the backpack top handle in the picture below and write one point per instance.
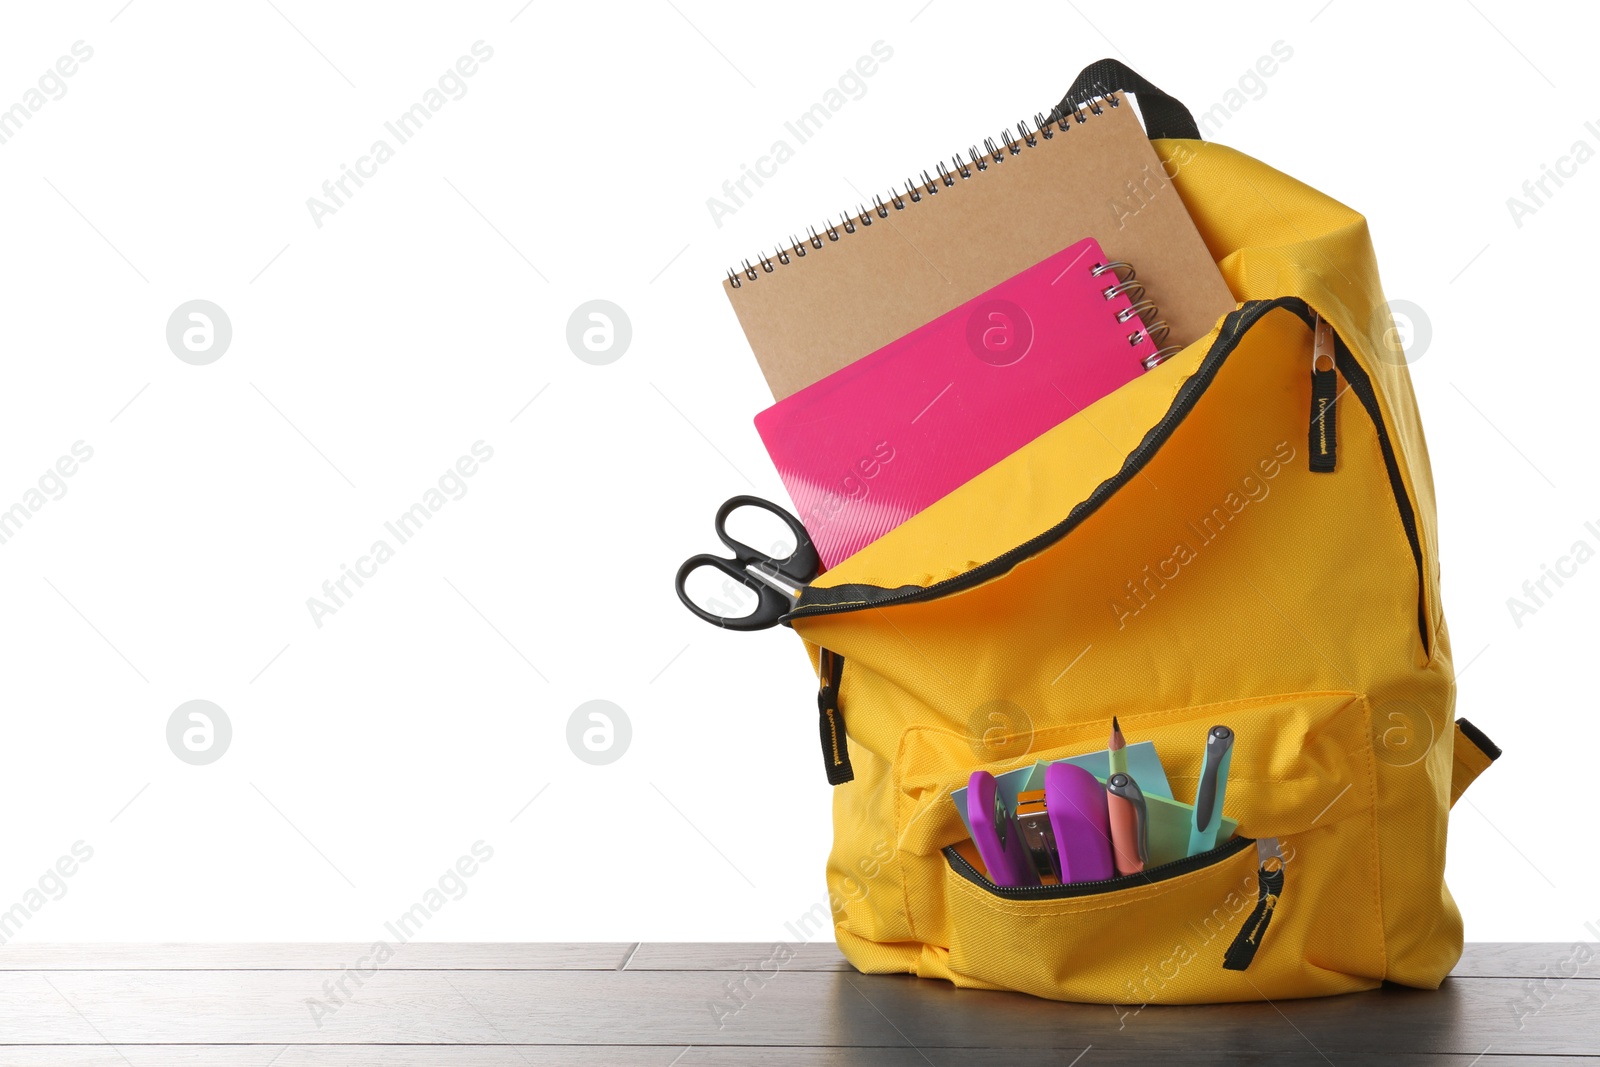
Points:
(1164, 116)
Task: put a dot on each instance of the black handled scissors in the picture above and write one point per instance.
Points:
(777, 583)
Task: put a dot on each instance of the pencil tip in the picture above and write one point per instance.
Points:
(1114, 727)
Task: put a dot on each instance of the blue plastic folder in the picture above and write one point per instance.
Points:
(1169, 822)
(1169, 819)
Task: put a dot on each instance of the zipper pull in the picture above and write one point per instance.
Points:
(1324, 397)
(1269, 887)
(835, 745)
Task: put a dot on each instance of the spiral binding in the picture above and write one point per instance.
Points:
(1045, 127)
(1145, 311)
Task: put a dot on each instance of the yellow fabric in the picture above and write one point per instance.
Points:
(1226, 583)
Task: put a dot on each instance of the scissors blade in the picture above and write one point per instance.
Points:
(772, 578)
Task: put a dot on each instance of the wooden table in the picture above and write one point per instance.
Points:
(490, 1005)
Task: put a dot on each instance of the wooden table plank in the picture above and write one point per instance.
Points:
(494, 1005)
(415, 955)
(737, 955)
(1552, 959)
(679, 1056)
(1482, 960)
(830, 1009)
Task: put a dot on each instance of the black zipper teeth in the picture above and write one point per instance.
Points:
(1233, 328)
(1361, 385)
(1173, 869)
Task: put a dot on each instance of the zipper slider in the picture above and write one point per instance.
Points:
(1269, 887)
(835, 744)
(1324, 397)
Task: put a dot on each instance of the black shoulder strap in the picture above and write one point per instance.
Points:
(1163, 115)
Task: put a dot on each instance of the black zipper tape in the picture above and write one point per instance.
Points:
(1361, 385)
(1248, 941)
(1160, 873)
(830, 720)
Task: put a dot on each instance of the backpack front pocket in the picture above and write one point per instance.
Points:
(1287, 908)
(1171, 934)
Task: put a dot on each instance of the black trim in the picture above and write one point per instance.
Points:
(1361, 385)
(1189, 864)
(1324, 441)
(852, 595)
(1479, 739)
(1164, 116)
(830, 720)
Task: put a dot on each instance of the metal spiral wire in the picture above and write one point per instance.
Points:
(995, 152)
(1139, 310)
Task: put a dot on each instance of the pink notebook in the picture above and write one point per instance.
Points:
(869, 446)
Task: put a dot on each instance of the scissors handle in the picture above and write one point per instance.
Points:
(770, 579)
(771, 605)
(799, 566)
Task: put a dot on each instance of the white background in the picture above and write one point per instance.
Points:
(368, 354)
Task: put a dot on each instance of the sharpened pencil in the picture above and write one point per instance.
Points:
(1118, 749)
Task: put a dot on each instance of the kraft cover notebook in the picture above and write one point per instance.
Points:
(869, 446)
(886, 268)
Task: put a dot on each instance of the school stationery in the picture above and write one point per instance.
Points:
(871, 445)
(1130, 831)
(882, 270)
(1168, 824)
(1117, 748)
(776, 582)
(994, 831)
(1139, 761)
(1143, 765)
(1213, 787)
(1009, 787)
(1038, 833)
(1076, 803)
(1169, 821)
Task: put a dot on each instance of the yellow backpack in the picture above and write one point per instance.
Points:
(1242, 535)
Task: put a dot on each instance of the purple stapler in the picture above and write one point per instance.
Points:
(1076, 803)
(994, 831)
